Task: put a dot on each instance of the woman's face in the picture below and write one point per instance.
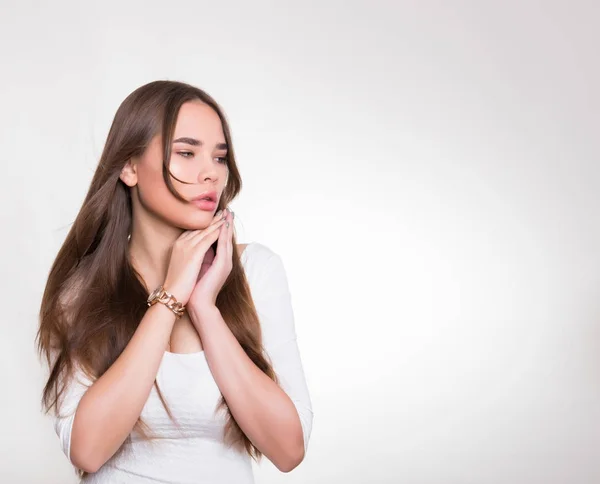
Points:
(198, 157)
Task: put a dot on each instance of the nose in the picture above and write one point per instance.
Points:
(207, 170)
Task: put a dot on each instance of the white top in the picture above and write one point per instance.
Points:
(196, 452)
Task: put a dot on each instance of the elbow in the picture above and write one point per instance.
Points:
(290, 464)
(86, 457)
(86, 463)
(293, 460)
(296, 451)
(90, 469)
(89, 448)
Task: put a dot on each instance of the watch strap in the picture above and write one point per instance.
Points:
(162, 296)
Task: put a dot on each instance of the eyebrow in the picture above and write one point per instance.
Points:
(197, 142)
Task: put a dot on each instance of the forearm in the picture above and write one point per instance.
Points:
(110, 408)
(261, 408)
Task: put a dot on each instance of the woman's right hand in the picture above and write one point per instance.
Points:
(187, 255)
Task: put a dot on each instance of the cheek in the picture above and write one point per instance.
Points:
(155, 198)
(152, 191)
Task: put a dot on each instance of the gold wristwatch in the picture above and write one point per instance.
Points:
(160, 295)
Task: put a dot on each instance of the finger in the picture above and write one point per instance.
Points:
(188, 234)
(221, 244)
(202, 243)
(218, 216)
(228, 242)
(230, 239)
(199, 234)
(201, 248)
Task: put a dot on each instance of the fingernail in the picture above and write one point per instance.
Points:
(218, 213)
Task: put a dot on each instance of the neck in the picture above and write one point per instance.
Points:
(150, 247)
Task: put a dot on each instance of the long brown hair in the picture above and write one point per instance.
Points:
(94, 299)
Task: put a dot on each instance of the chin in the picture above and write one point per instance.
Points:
(197, 222)
(201, 219)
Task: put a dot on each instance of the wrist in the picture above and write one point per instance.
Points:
(161, 295)
(158, 307)
(175, 291)
(202, 311)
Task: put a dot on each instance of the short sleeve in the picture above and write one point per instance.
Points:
(273, 303)
(74, 390)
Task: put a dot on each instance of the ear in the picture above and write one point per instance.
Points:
(129, 173)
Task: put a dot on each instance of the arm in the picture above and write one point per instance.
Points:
(277, 421)
(105, 413)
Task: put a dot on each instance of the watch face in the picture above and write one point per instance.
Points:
(154, 294)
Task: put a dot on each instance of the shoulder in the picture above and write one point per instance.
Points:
(255, 253)
(263, 266)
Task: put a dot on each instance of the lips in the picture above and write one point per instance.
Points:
(211, 196)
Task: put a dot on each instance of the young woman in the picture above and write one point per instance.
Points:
(172, 350)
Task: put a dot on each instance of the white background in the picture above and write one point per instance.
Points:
(428, 172)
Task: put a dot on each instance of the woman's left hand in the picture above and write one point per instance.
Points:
(215, 272)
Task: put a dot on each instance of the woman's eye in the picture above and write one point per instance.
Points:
(189, 154)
